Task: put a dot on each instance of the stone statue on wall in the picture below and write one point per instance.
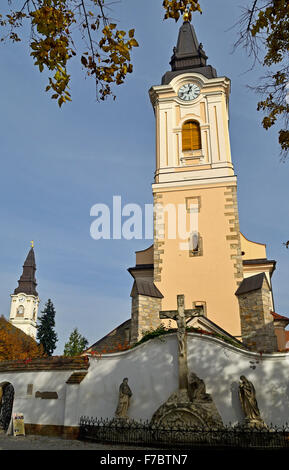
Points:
(197, 388)
(249, 403)
(125, 394)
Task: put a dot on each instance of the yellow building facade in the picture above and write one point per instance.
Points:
(198, 248)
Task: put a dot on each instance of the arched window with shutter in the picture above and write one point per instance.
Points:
(20, 311)
(191, 136)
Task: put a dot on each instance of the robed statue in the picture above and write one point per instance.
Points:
(248, 401)
(197, 388)
(125, 394)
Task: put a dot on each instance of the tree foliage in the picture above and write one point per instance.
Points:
(76, 344)
(15, 344)
(105, 50)
(55, 27)
(264, 32)
(45, 329)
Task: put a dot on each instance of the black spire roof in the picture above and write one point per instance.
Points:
(27, 282)
(188, 56)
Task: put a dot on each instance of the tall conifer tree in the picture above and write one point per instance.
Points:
(45, 329)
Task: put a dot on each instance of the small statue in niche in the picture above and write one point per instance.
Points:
(197, 388)
(125, 394)
(247, 395)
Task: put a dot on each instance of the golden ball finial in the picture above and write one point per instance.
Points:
(32, 244)
(187, 16)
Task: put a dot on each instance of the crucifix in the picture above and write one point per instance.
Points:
(180, 316)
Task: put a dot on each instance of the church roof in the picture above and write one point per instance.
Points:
(27, 282)
(188, 56)
(277, 316)
(118, 339)
(114, 341)
(213, 328)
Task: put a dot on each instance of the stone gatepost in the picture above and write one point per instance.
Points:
(255, 302)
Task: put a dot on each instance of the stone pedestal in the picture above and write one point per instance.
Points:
(180, 411)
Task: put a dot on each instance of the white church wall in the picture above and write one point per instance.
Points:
(221, 367)
(152, 372)
(38, 410)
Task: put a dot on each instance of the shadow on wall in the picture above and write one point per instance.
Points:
(221, 366)
(151, 370)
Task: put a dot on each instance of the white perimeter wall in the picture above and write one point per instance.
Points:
(152, 373)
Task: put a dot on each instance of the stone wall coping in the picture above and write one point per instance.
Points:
(53, 363)
(202, 337)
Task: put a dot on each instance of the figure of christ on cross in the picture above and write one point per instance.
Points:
(180, 316)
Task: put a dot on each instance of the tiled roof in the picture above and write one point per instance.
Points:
(46, 363)
(276, 316)
(116, 340)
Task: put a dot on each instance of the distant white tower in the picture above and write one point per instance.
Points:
(25, 300)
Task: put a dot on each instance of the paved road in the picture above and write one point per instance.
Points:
(53, 443)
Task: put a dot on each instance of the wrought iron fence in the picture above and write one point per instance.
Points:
(142, 433)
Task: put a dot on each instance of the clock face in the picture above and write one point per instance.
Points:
(189, 92)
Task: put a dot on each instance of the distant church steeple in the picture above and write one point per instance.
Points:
(27, 282)
(25, 300)
(188, 55)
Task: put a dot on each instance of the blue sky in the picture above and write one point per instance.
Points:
(57, 163)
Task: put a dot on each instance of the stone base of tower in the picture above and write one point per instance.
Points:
(144, 315)
(257, 322)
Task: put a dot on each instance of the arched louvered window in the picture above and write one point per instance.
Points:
(191, 136)
(20, 311)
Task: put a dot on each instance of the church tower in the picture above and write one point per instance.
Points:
(198, 250)
(197, 247)
(25, 300)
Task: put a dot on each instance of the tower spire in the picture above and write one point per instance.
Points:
(25, 300)
(188, 55)
(27, 282)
